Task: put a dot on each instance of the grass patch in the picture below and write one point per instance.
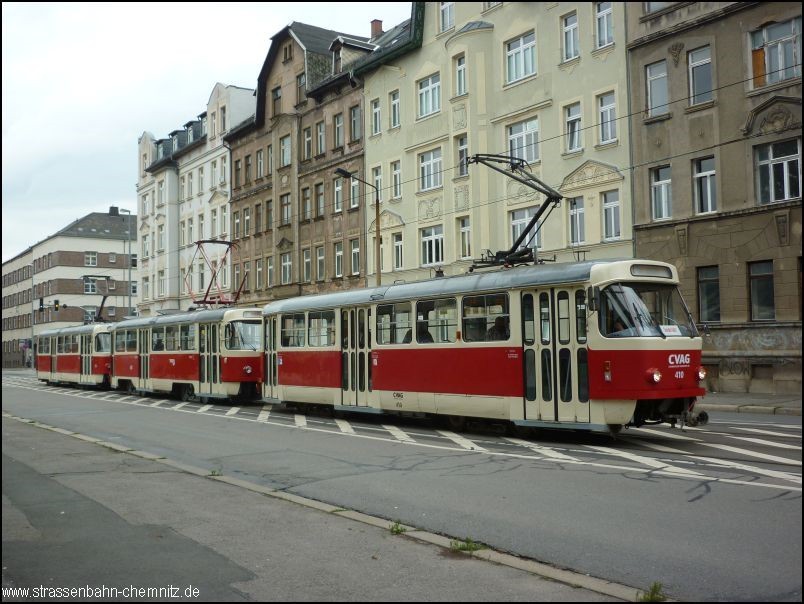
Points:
(654, 594)
(215, 473)
(397, 528)
(467, 545)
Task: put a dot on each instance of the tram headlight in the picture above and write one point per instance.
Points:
(701, 374)
(248, 369)
(654, 376)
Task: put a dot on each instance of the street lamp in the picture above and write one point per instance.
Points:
(377, 259)
(115, 211)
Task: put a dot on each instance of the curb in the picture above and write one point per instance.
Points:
(540, 569)
(748, 409)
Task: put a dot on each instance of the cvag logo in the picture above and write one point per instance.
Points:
(679, 360)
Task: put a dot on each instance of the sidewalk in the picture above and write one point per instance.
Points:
(750, 402)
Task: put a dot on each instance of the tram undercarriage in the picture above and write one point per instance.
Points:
(670, 410)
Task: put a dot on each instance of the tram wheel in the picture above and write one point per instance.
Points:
(130, 388)
(455, 422)
(186, 392)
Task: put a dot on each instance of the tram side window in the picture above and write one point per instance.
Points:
(131, 341)
(74, 344)
(187, 337)
(158, 338)
(321, 328)
(293, 328)
(120, 341)
(436, 321)
(172, 337)
(103, 342)
(59, 345)
(486, 318)
(394, 323)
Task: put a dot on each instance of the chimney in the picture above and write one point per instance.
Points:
(376, 28)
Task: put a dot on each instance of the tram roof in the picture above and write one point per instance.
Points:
(75, 329)
(196, 316)
(522, 276)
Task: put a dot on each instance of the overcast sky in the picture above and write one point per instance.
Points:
(81, 82)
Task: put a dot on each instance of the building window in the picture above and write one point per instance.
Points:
(572, 118)
(376, 117)
(260, 164)
(611, 215)
(760, 284)
(321, 136)
(460, 75)
(276, 99)
(269, 214)
(571, 49)
(307, 204)
(248, 173)
(430, 170)
(465, 230)
(397, 251)
(287, 267)
(776, 52)
(338, 195)
(354, 114)
(90, 285)
(576, 219)
(396, 179)
(319, 263)
(338, 121)
(605, 24)
(355, 245)
(258, 270)
(395, 117)
(246, 222)
(160, 238)
(607, 112)
(432, 245)
(319, 199)
(447, 20)
(339, 259)
(223, 174)
(146, 289)
(270, 272)
(661, 193)
(90, 258)
(463, 156)
(284, 151)
(161, 283)
(708, 293)
(376, 176)
(523, 140)
(306, 266)
(112, 258)
(519, 220)
(700, 66)
(301, 83)
(657, 88)
(354, 191)
(270, 160)
(223, 119)
(308, 143)
(284, 208)
(705, 186)
(430, 95)
(520, 58)
(779, 171)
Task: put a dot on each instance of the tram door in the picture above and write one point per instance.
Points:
(554, 338)
(355, 356)
(86, 355)
(144, 342)
(208, 357)
(270, 358)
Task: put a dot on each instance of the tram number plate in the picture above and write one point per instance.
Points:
(679, 375)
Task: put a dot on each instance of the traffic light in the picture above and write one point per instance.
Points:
(56, 305)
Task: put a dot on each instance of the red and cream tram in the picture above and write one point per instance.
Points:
(208, 353)
(76, 355)
(591, 345)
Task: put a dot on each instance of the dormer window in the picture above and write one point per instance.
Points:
(176, 143)
(223, 119)
(336, 68)
(287, 52)
(189, 135)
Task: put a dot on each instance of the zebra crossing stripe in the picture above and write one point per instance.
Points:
(398, 434)
(461, 441)
(265, 413)
(232, 411)
(647, 461)
(345, 426)
(546, 451)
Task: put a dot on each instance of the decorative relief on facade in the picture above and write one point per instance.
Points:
(675, 52)
(517, 193)
(783, 227)
(462, 197)
(682, 235)
(430, 209)
(459, 117)
(591, 174)
(388, 220)
(284, 181)
(780, 340)
(284, 244)
(777, 114)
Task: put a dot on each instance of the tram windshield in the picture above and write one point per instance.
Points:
(644, 310)
(243, 335)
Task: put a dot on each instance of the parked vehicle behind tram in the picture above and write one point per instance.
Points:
(591, 345)
(208, 353)
(75, 355)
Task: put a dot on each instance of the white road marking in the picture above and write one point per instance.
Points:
(768, 432)
(546, 451)
(179, 406)
(345, 426)
(749, 453)
(647, 461)
(725, 463)
(768, 443)
(204, 408)
(232, 411)
(664, 434)
(300, 420)
(399, 434)
(159, 402)
(461, 441)
(265, 413)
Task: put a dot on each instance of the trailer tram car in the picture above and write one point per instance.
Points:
(75, 355)
(591, 345)
(208, 353)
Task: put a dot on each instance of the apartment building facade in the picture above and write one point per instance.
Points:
(545, 82)
(184, 197)
(716, 96)
(62, 280)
